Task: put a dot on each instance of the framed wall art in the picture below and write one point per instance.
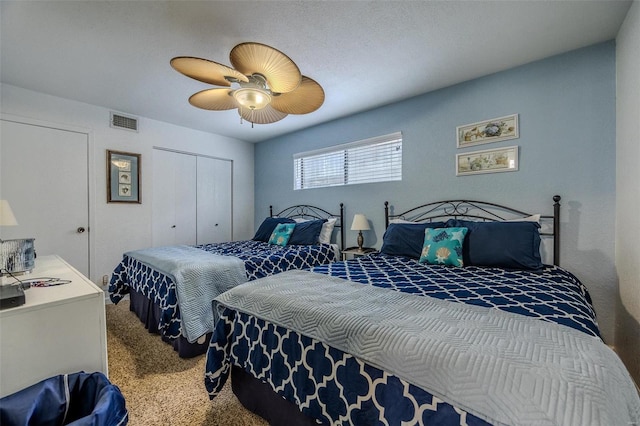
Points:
(488, 161)
(123, 177)
(494, 130)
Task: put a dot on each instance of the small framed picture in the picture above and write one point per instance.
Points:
(488, 161)
(123, 177)
(494, 130)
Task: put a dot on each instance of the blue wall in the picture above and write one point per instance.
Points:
(566, 107)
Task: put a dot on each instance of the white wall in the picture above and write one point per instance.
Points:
(116, 228)
(628, 190)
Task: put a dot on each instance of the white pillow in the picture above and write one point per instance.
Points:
(532, 218)
(327, 230)
(400, 221)
(300, 220)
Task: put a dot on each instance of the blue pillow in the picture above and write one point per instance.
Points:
(443, 246)
(268, 225)
(406, 239)
(307, 233)
(511, 245)
(281, 234)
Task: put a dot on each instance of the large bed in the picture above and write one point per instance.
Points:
(171, 288)
(499, 338)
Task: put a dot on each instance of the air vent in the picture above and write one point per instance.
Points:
(125, 122)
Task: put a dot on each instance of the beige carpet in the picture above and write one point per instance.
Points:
(159, 387)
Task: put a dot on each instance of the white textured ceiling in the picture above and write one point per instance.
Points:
(364, 53)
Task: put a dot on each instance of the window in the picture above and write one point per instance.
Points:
(377, 159)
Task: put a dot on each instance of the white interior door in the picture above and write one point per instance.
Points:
(44, 176)
(163, 214)
(174, 198)
(185, 198)
(214, 200)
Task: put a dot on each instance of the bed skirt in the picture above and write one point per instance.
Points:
(149, 313)
(259, 398)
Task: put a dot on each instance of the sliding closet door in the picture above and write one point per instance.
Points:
(174, 198)
(214, 200)
(191, 199)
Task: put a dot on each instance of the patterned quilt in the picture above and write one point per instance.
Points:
(552, 294)
(260, 260)
(342, 388)
(505, 368)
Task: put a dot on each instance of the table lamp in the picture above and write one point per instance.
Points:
(7, 217)
(360, 223)
(17, 256)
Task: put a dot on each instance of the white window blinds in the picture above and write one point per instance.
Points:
(377, 159)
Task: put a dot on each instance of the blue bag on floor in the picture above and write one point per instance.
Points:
(79, 399)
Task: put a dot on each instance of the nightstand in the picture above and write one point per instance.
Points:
(355, 252)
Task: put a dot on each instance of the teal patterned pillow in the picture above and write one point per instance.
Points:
(281, 234)
(443, 246)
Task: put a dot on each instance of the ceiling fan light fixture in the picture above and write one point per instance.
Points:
(252, 98)
(266, 84)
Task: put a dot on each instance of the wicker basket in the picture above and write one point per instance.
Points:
(17, 256)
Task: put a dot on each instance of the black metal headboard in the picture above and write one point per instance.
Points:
(303, 211)
(477, 210)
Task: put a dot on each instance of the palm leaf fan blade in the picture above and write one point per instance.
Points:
(281, 73)
(214, 99)
(308, 97)
(206, 71)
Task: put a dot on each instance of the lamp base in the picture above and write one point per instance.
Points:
(360, 240)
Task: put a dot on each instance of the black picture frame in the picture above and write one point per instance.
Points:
(123, 177)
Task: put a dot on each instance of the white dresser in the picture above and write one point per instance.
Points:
(59, 329)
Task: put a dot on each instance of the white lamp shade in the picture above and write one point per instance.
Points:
(6, 214)
(360, 223)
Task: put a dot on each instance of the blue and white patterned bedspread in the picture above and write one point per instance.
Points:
(340, 388)
(552, 294)
(199, 277)
(503, 367)
(260, 260)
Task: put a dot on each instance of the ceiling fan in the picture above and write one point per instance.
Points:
(265, 84)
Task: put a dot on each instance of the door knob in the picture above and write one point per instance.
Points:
(173, 226)
(80, 230)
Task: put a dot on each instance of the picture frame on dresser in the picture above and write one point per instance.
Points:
(123, 177)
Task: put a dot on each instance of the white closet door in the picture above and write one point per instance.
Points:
(214, 200)
(174, 198)
(44, 176)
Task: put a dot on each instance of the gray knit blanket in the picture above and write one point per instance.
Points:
(199, 277)
(502, 367)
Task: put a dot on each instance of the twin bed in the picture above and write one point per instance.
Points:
(171, 288)
(456, 321)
